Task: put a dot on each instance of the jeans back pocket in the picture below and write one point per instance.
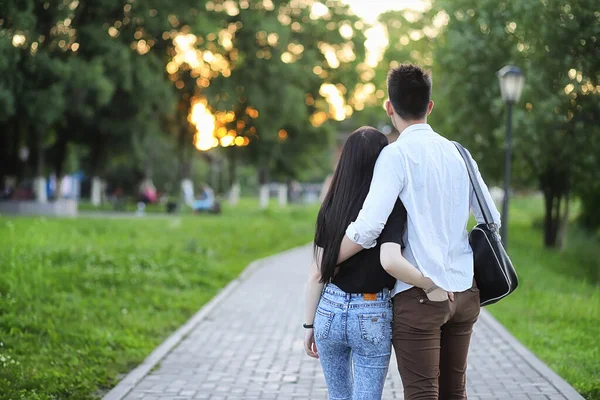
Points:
(376, 327)
(322, 323)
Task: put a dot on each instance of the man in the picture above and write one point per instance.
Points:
(425, 170)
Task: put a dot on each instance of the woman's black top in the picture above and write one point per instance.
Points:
(363, 273)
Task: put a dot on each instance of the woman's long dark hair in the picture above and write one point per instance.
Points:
(347, 192)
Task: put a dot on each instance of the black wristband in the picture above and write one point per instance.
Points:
(307, 326)
(431, 288)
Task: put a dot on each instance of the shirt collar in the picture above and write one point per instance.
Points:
(415, 129)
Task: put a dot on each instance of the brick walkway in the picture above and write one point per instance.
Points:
(249, 346)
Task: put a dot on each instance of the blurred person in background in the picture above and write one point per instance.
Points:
(206, 200)
(147, 192)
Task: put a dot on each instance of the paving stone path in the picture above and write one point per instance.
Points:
(249, 346)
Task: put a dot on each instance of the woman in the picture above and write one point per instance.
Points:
(348, 307)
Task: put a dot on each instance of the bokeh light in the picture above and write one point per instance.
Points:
(204, 121)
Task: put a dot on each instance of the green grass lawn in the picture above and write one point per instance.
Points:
(129, 206)
(555, 312)
(84, 300)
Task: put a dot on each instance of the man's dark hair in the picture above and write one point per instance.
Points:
(409, 89)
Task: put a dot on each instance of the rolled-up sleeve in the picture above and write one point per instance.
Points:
(387, 183)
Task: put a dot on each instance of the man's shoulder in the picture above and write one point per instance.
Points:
(393, 151)
(392, 148)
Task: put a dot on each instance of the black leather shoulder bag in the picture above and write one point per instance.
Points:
(495, 275)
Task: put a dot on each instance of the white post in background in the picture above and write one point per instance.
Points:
(187, 191)
(96, 191)
(234, 194)
(39, 187)
(141, 209)
(283, 195)
(263, 196)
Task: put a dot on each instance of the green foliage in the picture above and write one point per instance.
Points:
(262, 78)
(590, 215)
(557, 119)
(412, 38)
(74, 82)
(587, 185)
(84, 300)
(94, 75)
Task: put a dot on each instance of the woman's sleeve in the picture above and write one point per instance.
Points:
(395, 226)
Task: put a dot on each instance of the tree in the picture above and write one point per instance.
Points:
(124, 81)
(412, 37)
(277, 73)
(134, 52)
(89, 73)
(556, 45)
(33, 88)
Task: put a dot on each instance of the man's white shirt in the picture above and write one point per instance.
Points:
(429, 175)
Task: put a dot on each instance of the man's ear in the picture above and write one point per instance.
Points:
(430, 107)
(389, 108)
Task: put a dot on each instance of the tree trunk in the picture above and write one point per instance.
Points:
(11, 165)
(59, 183)
(263, 180)
(96, 191)
(41, 194)
(181, 154)
(97, 159)
(283, 195)
(6, 156)
(215, 174)
(234, 194)
(555, 221)
(59, 162)
(234, 186)
(148, 170)
(564, 223)
(186, 185)
(187, 192)
(549, 222)
(233, 166)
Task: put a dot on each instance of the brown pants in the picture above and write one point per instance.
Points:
(431, 341)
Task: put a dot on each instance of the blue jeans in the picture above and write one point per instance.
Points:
(354, 341)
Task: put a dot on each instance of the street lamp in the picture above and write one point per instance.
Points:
(511, 84)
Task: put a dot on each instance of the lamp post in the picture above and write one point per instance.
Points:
(511, 84)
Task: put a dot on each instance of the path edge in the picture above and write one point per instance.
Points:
(552, 377)
(130, 381)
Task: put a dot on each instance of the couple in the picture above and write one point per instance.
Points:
(393, 265)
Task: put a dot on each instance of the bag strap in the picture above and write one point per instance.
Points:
(485, 209)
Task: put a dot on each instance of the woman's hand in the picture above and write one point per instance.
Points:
(314, 288)
(309, 344)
